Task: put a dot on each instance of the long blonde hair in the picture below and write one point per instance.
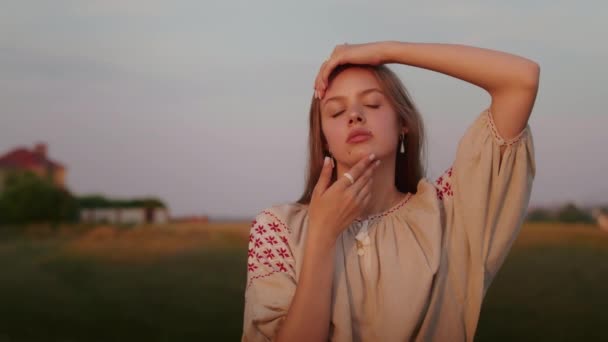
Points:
(409, 168)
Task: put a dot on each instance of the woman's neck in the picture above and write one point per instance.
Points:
(384, 193)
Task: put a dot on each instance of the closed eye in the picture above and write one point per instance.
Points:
(370, 106)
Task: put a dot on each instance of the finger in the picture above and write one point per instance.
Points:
(365, 178)
(327, 69)
(365, 191)
(366, 199)
(356, 171)
(367, 174)
(320, 74)
(318, 84)
(324, 178)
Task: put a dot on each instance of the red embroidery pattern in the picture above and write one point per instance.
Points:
(269, 250)
(443, 185)
(274, 227)
(281, 267)
(260, 229)
(389, 211)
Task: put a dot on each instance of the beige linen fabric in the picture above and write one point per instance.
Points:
(418, 271)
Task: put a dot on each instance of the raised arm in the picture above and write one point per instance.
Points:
(512, 81)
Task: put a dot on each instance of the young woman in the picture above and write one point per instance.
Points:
(373, 251)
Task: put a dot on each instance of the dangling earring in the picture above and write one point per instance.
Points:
(402, 150)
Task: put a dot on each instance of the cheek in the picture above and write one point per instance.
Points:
(390, 122)
(387, 127)
(332, 132)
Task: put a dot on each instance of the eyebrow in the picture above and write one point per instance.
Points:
(364, 92)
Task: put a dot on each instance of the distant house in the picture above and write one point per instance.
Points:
(99, 209)
(36, 161)
(92, 208)
(136, 215)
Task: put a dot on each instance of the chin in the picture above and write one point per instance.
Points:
(381, 152)
(361, 151)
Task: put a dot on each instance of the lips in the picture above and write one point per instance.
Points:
(358, 134)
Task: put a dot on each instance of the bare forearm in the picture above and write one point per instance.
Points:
(309, 313)
(488, 69)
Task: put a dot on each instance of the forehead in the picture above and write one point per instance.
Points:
(352, 81)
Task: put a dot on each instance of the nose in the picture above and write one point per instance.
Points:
(356, 116)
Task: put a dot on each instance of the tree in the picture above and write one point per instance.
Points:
(28, 198)
(571, 213)
(540, 215)
(99, 201)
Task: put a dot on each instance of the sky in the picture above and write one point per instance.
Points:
(204, 104)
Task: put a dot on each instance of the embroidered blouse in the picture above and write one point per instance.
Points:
(418, 271)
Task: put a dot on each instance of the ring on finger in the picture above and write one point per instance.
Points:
(350, 178)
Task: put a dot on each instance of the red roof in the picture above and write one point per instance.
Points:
(24, 158)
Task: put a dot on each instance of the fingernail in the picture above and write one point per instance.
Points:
(316, 95)
(325, 161)
(377, 162)
(372, 156)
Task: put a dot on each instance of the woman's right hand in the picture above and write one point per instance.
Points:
(333, 208)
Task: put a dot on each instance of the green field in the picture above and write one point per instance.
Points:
(186, 283)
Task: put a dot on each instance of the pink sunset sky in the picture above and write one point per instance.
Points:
(205, 104)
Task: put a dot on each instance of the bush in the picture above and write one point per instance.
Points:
(570, 213)
(28, 198)
(540, 215)
(98, 201)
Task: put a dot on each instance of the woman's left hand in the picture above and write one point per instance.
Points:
(369, 53)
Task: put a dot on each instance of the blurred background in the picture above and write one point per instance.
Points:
(140, 138)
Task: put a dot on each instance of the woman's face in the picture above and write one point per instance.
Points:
(354, 100)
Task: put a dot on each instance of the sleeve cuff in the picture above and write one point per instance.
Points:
(497, 137)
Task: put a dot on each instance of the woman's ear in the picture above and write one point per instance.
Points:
(404, 128)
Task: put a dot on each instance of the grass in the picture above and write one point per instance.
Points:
(109, 285)
(186, 283)
(552, 287)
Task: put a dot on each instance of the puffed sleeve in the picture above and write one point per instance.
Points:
(485, 195)
(271, 281)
